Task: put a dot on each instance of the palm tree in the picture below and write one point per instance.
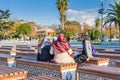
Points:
(62, 6)
(5, 14)
(4, 23)
(113, 15)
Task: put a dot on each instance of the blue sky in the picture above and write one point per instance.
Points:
(45, 11)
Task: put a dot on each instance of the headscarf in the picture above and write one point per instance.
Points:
(45, 42)
(61, 45)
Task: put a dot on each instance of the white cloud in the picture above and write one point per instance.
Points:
(83, 16)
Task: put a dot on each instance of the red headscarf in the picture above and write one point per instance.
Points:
(61, 45)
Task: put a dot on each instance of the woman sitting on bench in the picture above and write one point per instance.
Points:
(44, 50)
(62, 50)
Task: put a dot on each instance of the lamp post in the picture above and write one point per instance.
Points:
(101, 11)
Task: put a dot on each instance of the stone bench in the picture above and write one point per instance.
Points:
(26, 54)
(113, 58)
(110, 52)
(27, 50)
(100, 49)
(7, 60)
(33, 47)
(10, 52)
(23, 46)
(98, 73)
(117, 50)
(118, 64)
(8, 73)
(27, 47)
(42, 77)
(7, 48)
(52, 69)
(80, 49)
(98, 61)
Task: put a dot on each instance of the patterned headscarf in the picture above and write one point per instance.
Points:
(61, 45)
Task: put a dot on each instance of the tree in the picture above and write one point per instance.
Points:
(113, 15)
(98, 23)
(86, 28)
(62, 6)
(110, 31)
(96, 34)
(71, 28)
(5, 14)
(5, 24)
(24, 29)
(92, 34)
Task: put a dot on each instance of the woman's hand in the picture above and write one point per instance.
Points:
(72, 55)
(87, 59)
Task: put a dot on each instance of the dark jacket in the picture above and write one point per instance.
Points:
(45, 54)
(84, 48)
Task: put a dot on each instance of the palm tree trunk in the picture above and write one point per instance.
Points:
(116, 30)
(119, 31)
(63, 26)
(110, 33)
(62, 22)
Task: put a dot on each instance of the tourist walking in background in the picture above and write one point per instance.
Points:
(68, 38)
(61, 50)
(30, 38)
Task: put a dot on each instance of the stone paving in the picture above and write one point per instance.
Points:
(73, 44)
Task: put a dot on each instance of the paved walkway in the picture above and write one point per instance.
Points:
(13, 43)
(73, 44)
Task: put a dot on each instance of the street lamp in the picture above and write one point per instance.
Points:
(101, 11)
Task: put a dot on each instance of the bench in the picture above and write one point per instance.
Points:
(98, 61)
(117, 50)
(27, 50)
(42, 77)
(52, 69)
(97, 50)
(118, 64)
(98, 73)
(110, 52)
(100, 49)
(34, 47)
(7, 60)
(8, 73)
(113, 58)
(7, 48)
(26, 54)
(10, 52)
(23, 46)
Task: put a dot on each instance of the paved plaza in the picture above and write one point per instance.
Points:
(25, 58)
(115, 45)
